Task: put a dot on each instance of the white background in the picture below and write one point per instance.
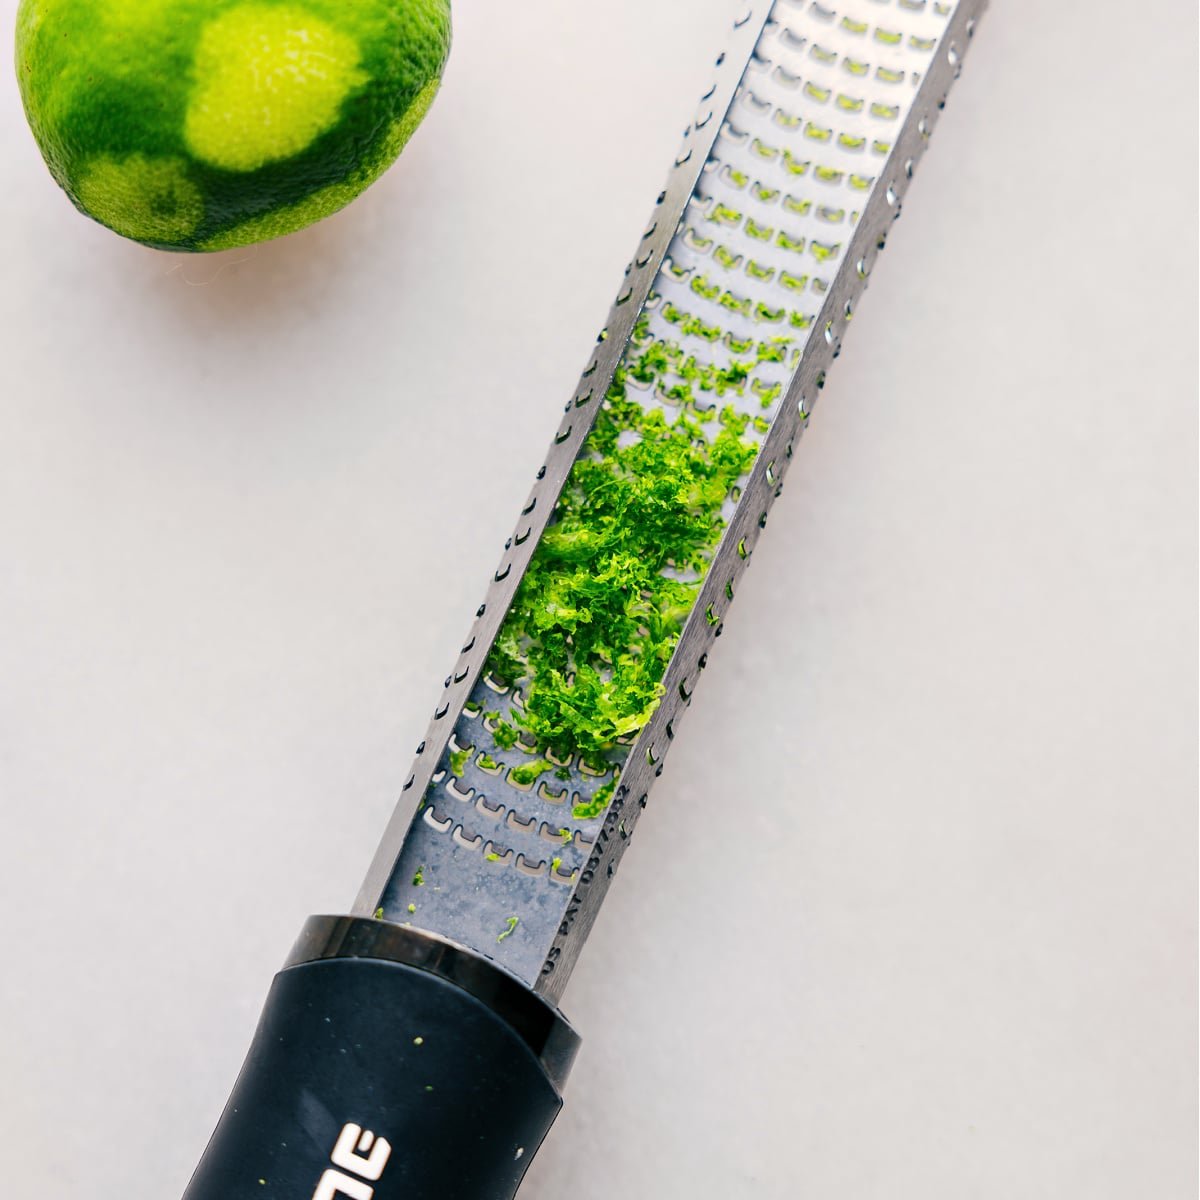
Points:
(912, 913)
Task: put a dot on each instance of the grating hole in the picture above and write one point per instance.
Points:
(523, 865)
(516, 821)
(493, 812)
(431, 819)
(546, 793)
(463, 795)
(468, 841)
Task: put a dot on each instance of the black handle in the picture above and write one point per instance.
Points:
(376, 1079)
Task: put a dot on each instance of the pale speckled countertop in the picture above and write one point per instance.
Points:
(937, 937)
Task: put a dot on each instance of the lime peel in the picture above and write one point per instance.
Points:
(209, 124)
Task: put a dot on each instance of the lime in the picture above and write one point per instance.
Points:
(206, 124)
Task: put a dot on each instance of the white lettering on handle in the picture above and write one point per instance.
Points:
(361, 1156)
(354, 1138)
(334, 1183)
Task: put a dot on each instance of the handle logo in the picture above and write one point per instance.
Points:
(361, 1157)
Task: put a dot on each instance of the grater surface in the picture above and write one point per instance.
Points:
(729, 315)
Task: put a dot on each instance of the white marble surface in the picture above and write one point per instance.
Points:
(928, 930)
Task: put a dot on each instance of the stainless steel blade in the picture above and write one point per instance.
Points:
(779, 201)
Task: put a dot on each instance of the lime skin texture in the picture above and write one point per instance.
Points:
(208, 124)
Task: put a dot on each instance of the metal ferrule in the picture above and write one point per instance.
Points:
(539, 1025)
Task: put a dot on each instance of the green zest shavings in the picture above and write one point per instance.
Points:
(504, 734)
(458, 761)
(510, 925)
(603, 601)
(596, 805)
(524, 775)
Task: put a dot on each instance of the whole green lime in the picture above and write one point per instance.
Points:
(206, 124)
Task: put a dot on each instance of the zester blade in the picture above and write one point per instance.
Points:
(735, 302)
